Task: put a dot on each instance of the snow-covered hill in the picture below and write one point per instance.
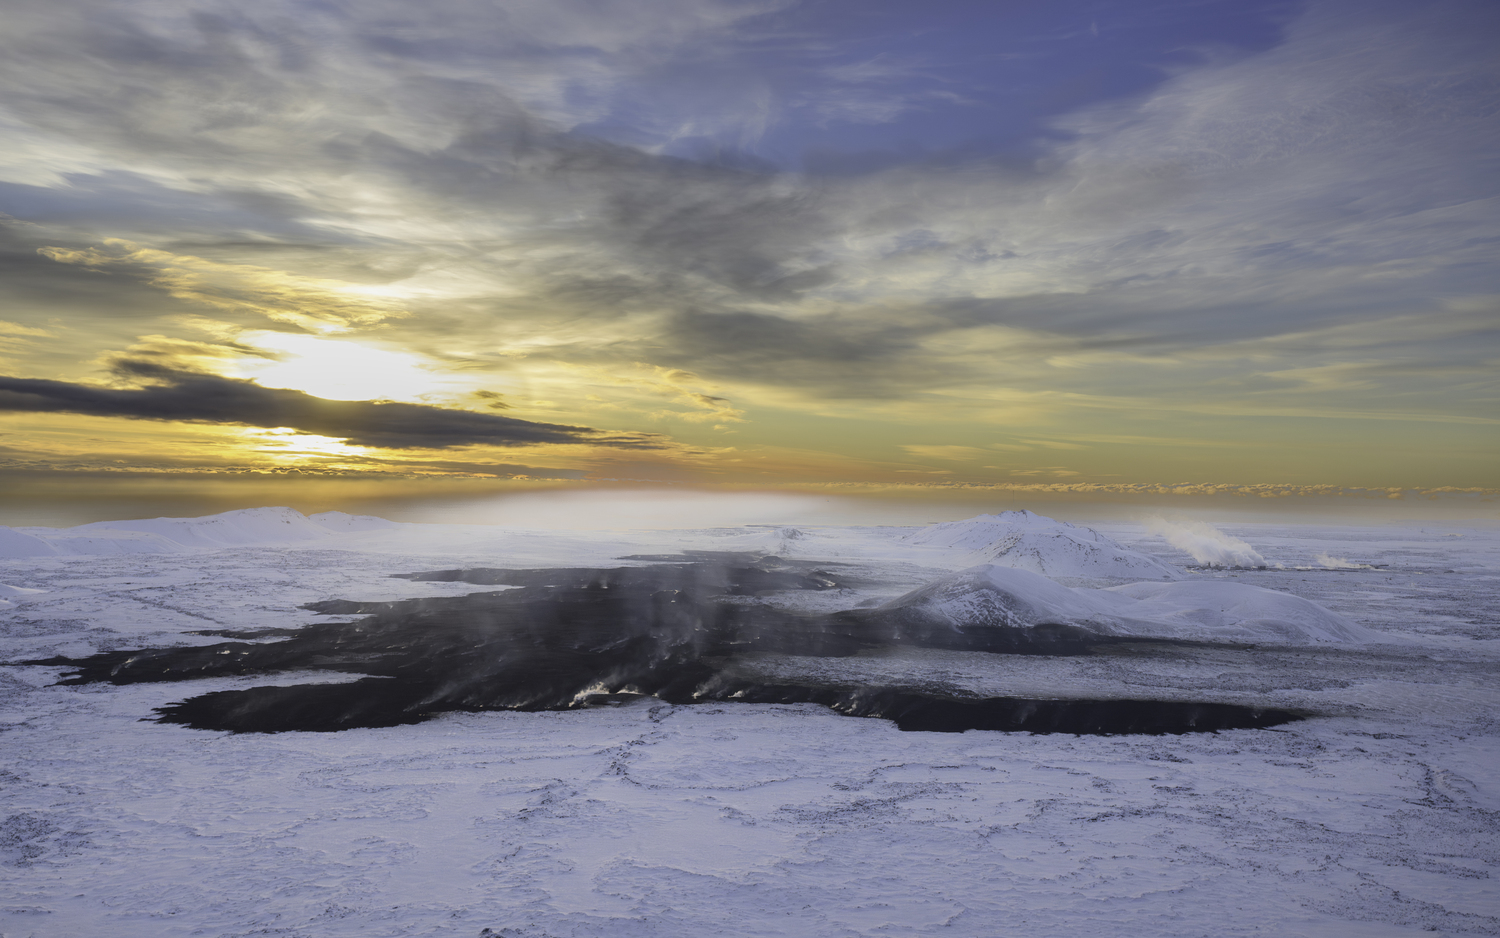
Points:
(344, 523)
(990, 596)
(1027, 541)
(15, 543)
(250, 527)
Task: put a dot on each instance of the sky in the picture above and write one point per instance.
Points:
(1082, 245)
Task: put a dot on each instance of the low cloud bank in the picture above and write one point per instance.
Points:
(1266, 490)
(205, 398)
(1208, 545)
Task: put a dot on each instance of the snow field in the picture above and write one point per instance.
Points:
(1381, 817)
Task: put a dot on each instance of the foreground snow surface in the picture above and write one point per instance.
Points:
(1378, 816)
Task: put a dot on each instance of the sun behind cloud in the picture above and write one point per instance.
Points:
(338, 370)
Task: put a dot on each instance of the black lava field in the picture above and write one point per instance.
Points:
(562, 639)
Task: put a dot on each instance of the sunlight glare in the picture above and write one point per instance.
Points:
(338, 370)
(292, 446)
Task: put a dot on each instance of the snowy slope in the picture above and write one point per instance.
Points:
(250, 527)
(1214, 610)
(344, 523)
(15, 543)
(1027, 541)
(17, 594)
(1223, 609)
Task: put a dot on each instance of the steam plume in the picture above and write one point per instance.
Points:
(1208, 545)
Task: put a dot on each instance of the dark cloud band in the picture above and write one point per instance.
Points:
(206, 398)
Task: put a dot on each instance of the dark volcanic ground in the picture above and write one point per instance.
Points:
(562, 639)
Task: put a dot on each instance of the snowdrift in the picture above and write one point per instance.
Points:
(251, 527)
(17, 594)
(991, 596)
(1023, 540)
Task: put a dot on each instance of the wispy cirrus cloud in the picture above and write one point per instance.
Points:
(311, 304)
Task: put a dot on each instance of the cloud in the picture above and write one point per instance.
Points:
(1054, 444)
(17, 339)
(1153, 210)
(758, 340)
(944, 453)
(529, 190)
(684, 387)
(26, 463)
(1472, 494)
(168, 354)
(212, 399)
(315, 305)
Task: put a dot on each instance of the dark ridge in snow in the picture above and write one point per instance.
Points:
(937, 714)
(722, 556)
(570, 638)
(762, 575)
(373, 702)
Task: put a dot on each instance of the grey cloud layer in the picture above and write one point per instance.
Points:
(1343, 176)
(213, 399)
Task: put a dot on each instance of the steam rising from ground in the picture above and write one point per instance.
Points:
(1207, 544)
(1340, 563)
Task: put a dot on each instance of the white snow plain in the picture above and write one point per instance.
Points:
(1377, 816)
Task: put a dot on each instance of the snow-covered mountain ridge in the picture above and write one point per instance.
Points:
(1024, 540)
(992, 596)
(1014, 588)
(249, 527)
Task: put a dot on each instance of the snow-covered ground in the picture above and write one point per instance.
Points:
(1378, 816)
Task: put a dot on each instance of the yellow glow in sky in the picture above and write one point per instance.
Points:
(337, 370)
(292, 446)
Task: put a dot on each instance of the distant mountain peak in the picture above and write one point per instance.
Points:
(1025, 540)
